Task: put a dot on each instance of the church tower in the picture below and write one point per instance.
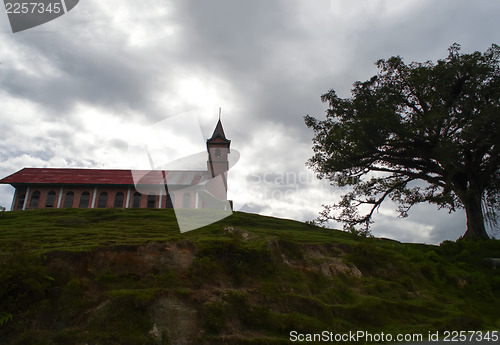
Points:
(218, 164)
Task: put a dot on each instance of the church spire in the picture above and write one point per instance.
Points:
(218, 147)
(219, 132)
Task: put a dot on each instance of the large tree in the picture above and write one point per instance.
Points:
(419, 132)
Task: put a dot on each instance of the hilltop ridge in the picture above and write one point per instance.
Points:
(114, 276)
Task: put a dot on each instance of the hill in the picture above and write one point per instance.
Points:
(110, 276)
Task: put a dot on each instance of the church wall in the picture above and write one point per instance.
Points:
(42, 200)
(218, 167)
(78, 190)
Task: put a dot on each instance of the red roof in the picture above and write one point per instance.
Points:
(103, 176)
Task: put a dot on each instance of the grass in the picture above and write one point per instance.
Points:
(72, 276)
(84, 229)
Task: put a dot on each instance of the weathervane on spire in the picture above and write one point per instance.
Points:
(219, 112)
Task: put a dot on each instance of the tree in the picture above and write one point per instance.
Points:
(423, 132)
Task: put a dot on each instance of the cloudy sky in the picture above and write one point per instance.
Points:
(76, 91)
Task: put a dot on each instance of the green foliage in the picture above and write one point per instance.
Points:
(372, 259)
(4, 317)
(204, 269)
(340, 292)
(215, 316)
(412, 134)
(234, 258)
(291, 250)
(469, 252)
(23, 282)
(71, 301)
(33, 337)
(123, 319)
(166, 278)
(431, 272)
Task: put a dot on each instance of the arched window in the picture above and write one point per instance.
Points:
(217, 152)
(51, 199)
(118, 200)
(186, 200)
(20, 203)
(68, 200)
(170, 201)
(151, 201)
(84, 200)
(136, 200)
(35, 199)
(103, 200)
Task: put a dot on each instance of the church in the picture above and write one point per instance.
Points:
(37, 188)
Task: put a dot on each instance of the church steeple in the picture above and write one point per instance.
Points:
(218, 151)
(218, 133)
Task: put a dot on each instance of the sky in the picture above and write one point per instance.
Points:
(76, 91)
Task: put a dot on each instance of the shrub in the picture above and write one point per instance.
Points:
(23, 282)
(215, 316)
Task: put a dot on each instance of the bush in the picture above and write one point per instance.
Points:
(4, 317)
(124, 319)
(371, 259)
(235, 259)
(23, 282)
(215, 316)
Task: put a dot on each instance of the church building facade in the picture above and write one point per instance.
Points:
(106, 188)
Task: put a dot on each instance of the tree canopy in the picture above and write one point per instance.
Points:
(413, 133)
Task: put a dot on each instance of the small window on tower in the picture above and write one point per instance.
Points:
(217, 152)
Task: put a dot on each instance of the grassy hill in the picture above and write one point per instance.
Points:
(112, 276)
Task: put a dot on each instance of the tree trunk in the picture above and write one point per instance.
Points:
(475, 219)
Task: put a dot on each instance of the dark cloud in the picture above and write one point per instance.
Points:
(80, 75)
(425, 223)
(232, 37)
